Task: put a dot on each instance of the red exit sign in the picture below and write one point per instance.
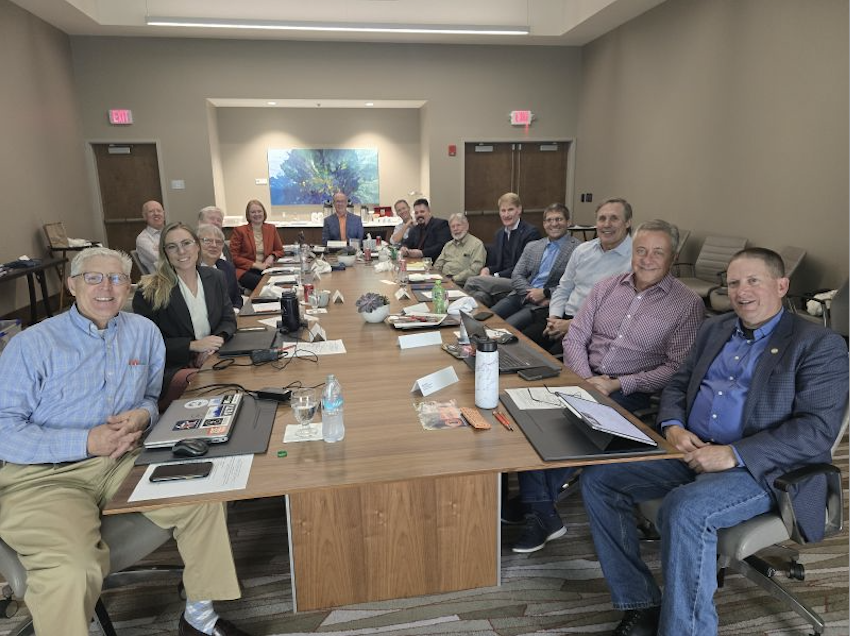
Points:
(120, 117)
(521, 117)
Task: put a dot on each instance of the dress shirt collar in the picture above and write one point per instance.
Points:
(461, 242)
(87, 326)
(513, 227)
(624, 248)
(560, 242)
(762, 332)
(664, 284)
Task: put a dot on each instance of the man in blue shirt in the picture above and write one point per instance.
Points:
(79, 390)
(761, 393)
(342, 225)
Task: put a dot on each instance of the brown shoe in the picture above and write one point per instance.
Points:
(222, 628)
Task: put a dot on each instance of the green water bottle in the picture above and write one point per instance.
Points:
(438, 295)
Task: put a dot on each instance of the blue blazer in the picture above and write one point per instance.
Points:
(353, 228)
(793, 410)
(503, 255)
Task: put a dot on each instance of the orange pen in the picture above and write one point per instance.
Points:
(502, 420)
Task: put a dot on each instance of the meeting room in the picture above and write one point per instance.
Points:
(496, 317)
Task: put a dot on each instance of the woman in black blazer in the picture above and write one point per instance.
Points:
(189, 304)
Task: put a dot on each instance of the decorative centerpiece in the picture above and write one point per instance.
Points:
(373, 307)
(347, 256)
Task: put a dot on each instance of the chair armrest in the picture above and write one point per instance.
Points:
(678, 265)
(834, 521)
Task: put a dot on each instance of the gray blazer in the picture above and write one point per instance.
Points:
(793, 409)
(529, 263)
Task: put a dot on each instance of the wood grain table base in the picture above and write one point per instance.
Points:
(393, 540)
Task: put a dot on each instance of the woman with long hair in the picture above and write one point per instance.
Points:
(254, 246)
(188, 303)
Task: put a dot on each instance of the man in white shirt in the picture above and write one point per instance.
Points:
(402, 228)
(147, 242)
(609, 254)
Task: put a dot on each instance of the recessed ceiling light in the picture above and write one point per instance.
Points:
(272, 103)
(370, 103)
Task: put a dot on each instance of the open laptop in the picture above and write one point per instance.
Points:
(249, 339)
(513, 356)
(211, 419)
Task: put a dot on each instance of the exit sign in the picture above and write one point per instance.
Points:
(521, 117)
(120, 117)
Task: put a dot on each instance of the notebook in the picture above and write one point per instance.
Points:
(513, 356)
(211, 419)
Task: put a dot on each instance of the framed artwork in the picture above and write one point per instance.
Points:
(310, 176)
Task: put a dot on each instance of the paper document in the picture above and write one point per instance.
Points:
(228, 473)
(539, 397)
(327, 348)
(284, 279)
(451, 294)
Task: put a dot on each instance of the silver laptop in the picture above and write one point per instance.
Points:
(210, 418)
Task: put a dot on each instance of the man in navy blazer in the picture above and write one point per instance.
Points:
(761, 393)
(494, 280)
(342, 218)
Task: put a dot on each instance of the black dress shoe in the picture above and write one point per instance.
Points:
(222, 628)
(642, 622)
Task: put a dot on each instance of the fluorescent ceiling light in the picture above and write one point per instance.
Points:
(211, 23)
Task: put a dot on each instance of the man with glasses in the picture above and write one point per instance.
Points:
(80, 389)
(538, 270)
(212, 215)
(147, 242)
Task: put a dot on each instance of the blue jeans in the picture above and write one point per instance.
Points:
(543, 486)
(694, 508)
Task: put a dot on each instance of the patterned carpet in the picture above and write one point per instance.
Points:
(558, 590)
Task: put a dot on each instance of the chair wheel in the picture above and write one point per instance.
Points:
(9, 607)
(181, 591)
(797, 571)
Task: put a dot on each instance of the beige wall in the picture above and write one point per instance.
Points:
(42, 173)
(246, 134)
(469, 92)
(726, 116)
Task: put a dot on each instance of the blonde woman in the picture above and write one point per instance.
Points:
(188, 303)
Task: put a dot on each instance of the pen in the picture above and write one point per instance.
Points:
(503, 420)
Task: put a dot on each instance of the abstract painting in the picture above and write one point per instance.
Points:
(310, 176)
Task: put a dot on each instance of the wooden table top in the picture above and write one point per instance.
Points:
(384, 440)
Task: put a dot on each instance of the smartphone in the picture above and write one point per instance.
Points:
(483, 315)
(176, 472)
(538, 373)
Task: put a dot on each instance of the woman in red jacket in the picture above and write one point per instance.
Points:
(254, 246)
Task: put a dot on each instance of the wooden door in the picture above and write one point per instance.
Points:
(488, 174)
(541, 170)
(128, 175)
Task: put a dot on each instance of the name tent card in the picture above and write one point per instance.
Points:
(425, 339)
(435, 381)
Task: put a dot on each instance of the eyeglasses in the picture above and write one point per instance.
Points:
(96, 278)
(212, 241)
(185, 244)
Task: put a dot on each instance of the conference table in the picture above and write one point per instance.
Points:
(393, 510)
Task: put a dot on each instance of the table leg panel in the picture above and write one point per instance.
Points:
(393, 540)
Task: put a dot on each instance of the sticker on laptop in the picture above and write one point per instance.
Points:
(196, 404)
(185, 425)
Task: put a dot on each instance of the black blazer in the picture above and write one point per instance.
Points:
(793, 409)
(502, 256)
(436, 233)
(175, 323)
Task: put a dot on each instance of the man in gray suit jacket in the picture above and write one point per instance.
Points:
(762, 393)
(538, 270)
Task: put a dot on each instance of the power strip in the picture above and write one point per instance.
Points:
(274, 394)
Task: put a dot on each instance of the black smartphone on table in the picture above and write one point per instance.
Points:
(538, 373)
(482, 315)
(178, 472)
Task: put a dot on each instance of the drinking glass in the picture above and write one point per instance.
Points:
(304, 404)
(427, 263)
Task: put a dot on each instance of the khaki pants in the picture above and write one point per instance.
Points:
(50, 515)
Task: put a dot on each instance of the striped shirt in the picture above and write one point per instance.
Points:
(64, 376)
(641, 338)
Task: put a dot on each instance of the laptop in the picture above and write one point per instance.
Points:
(513, 356)
(211, 419)
(246, 340)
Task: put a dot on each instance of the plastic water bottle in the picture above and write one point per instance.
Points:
(486, 373)
(333, 427)
(304, 253)
(438, 295)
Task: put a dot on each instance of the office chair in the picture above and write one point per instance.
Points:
(737, 546)
(718, 299)
(130, 538)
(712, 261)
(834, 313)
(135, 256)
